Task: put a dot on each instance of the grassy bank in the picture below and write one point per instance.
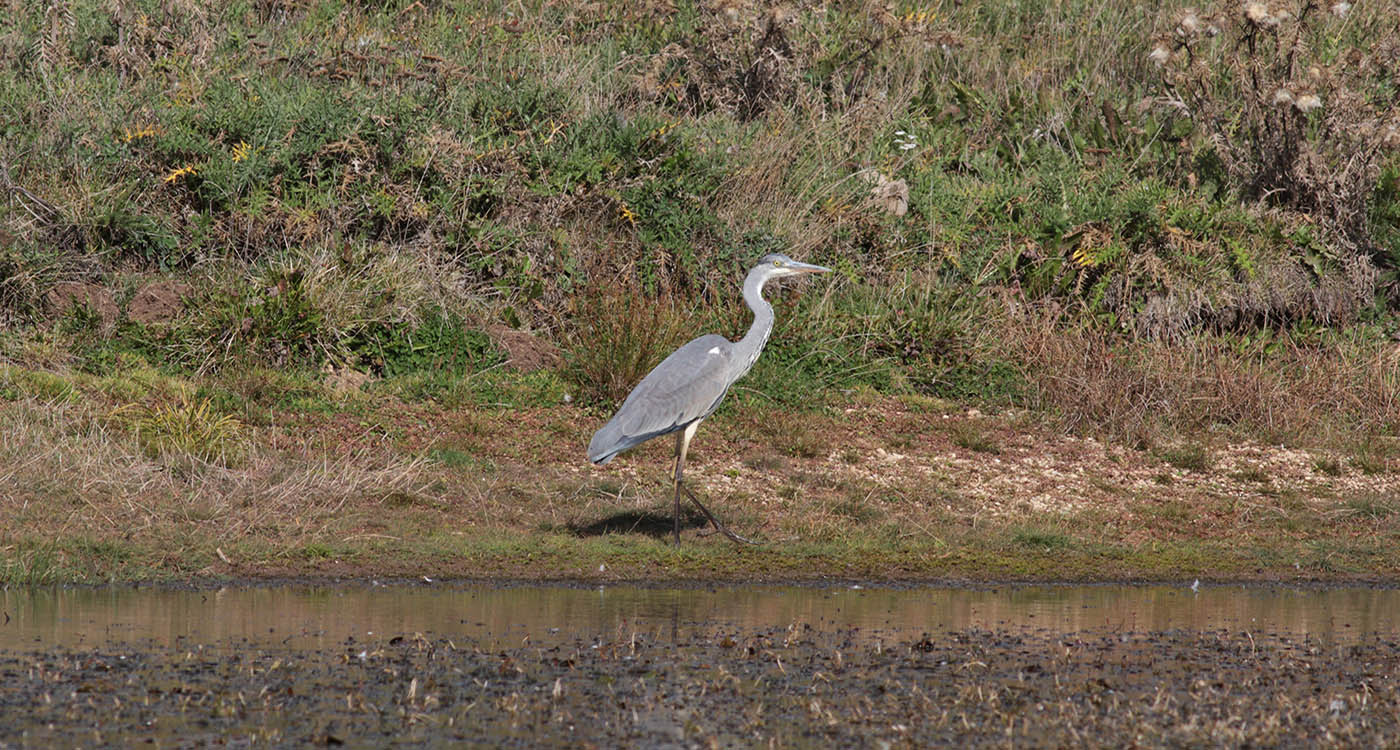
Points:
(862, 486)
(304, 287)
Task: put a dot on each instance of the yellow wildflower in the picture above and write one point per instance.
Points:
(176, 174)
(129, 135)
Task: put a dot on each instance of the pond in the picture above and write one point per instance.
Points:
(429, 664)
(315, 616)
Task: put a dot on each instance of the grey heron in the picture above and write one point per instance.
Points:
(689, 385)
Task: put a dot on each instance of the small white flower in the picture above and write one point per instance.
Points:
(1307, 102)
(1340, 9)
(1159, 54)
(1283, 96)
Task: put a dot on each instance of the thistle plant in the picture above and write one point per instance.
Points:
(1297, 100)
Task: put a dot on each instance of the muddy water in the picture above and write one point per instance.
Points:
(446, 666)
(313, 617)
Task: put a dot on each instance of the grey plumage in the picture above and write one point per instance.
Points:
(690, 384)
(687, 386)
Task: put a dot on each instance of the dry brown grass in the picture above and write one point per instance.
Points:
(616, 336)
(1293, 392)
(381, 487)
(66, 472)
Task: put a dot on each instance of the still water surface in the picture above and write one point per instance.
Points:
(325, 616)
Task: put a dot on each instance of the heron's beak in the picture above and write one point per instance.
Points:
(807, 268)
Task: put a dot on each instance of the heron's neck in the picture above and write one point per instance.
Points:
(751, 345)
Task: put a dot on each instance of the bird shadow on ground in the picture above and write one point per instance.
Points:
(646, 522)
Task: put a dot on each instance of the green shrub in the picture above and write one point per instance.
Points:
(618, 337)
(437, 342)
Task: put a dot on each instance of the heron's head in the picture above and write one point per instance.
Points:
(778, 265)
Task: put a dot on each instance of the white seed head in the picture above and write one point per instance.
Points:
(1190, 23)
(1340, 9)
(1283, 96)
(1159, 55)
(1392, 138)
(1257, 13)
(1307, 102)
(783, 16)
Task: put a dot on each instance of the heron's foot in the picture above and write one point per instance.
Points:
(721, 528)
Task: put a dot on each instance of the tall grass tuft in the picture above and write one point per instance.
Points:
(616, 339)
(184, 428)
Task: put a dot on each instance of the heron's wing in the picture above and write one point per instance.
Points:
(686, 386)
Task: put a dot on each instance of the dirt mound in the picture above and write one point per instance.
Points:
(67, 295)
(158, 302)
(525, 351)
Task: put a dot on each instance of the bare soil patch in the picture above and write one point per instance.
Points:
(66, 295)
(525, 352)
(158, 302)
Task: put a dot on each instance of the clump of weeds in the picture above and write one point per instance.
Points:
(185, 427)
(973, 437)
(1188, 457)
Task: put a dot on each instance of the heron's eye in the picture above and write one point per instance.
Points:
(778, 263)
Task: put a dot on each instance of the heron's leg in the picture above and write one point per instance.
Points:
(682, 447)
(721, 528)
(682, 443)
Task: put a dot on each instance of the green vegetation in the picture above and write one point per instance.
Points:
(191, 428)
(1188, 457)
(971, 437)
(1153, 226)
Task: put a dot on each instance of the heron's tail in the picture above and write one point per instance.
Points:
(603, 446)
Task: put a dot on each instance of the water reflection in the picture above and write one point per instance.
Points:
(325, 616)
